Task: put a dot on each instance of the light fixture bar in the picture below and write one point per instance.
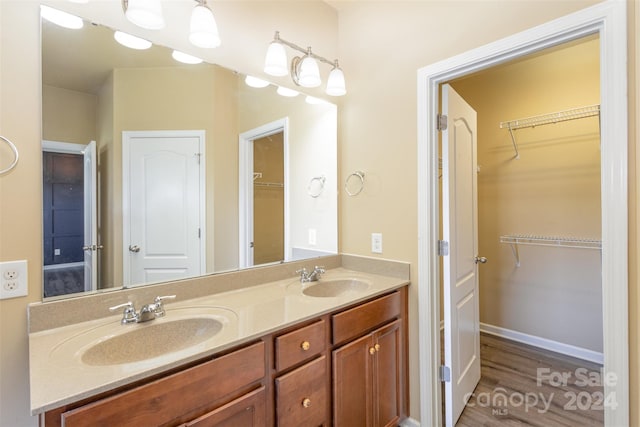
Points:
(301, 49)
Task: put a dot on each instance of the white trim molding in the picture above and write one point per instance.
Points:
(608, 20)
(543, 343)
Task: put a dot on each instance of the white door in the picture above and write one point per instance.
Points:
(460, 230)
(163, 206)
(90, 218)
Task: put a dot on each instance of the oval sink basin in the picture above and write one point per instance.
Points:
(182, 332)
(151, 340)
(335, 288)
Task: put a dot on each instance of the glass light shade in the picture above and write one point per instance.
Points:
(335, 83)
(61, 18)
(204, 30)
(290, 93)
(308, 72)
(275, 63)
(130, 41)
(145, 13)
(255, 82)
(185, 58)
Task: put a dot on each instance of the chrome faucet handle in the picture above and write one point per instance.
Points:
(159, 308)
(129, 314)
(304, 274)
(319, 269)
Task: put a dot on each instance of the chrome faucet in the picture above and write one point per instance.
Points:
(147, 312)
(305, 276)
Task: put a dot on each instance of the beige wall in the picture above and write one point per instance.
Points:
(553, 189)
(381, 46)
(68, 116)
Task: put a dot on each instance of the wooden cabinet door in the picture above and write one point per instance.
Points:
(246, 411)
(387, 386)
(352, 381)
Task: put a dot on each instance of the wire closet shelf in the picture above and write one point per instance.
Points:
(562, 242)
(547, 119)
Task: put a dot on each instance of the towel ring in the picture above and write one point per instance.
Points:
(319, 188)
(15, 154)
(359, 183)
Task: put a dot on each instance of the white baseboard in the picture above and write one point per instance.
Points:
(558, 347)
(410, 422)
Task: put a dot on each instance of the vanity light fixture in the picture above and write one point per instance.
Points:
(203, 29)
(185, 58)
(130, 41)
(284, 91)
(144, 13)
(61, 18)
(255, 82)
(304, 70)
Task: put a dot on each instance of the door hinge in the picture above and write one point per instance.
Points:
(443, 248)
(441, 122)
(198, 156)
(445, 374)
(199, 233)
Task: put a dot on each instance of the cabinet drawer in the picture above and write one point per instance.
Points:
(301, 395)
(247, 411)
(300, 345)
(169, 398)
(353, 322)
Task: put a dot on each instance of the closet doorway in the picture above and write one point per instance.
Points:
(607, 20)
(539, 227)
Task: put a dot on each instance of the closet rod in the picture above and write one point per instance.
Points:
(547, 119)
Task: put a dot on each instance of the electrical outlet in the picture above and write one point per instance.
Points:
(13, 279)
(376, 243)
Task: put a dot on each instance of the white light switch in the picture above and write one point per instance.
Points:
(313, 236)
(376, 243)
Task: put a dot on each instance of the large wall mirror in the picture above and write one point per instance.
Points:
(154, 170)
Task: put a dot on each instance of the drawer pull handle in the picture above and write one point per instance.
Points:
(372, 350)
(306, 402)
(305, 345)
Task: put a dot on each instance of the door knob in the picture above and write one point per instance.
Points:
(481, 260)
(134, 248)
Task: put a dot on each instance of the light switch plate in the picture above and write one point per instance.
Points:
(376, 243)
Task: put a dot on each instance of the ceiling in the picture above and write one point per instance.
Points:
(82, 59)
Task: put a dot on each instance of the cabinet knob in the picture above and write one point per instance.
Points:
(305, 345)
(306, 402)
(377, 347)
(372, 350)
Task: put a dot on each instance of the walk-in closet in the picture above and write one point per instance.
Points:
(539, 224)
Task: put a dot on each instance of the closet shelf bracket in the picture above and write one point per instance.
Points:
(559, 242)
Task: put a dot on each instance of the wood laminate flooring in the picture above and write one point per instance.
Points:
(523, 385)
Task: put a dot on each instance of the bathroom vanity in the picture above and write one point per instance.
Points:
(285, 357)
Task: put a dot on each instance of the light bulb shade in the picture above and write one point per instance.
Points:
(145, 13)
(61, 18)
(335, 83)
(185, 58)
(275, 63)
(130, 41)
(204, 30)
(308, 74)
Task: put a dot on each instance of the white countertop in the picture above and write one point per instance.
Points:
(59, 377)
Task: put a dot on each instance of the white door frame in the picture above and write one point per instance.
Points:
(245, 188)
(608, 20)
(126, 208)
